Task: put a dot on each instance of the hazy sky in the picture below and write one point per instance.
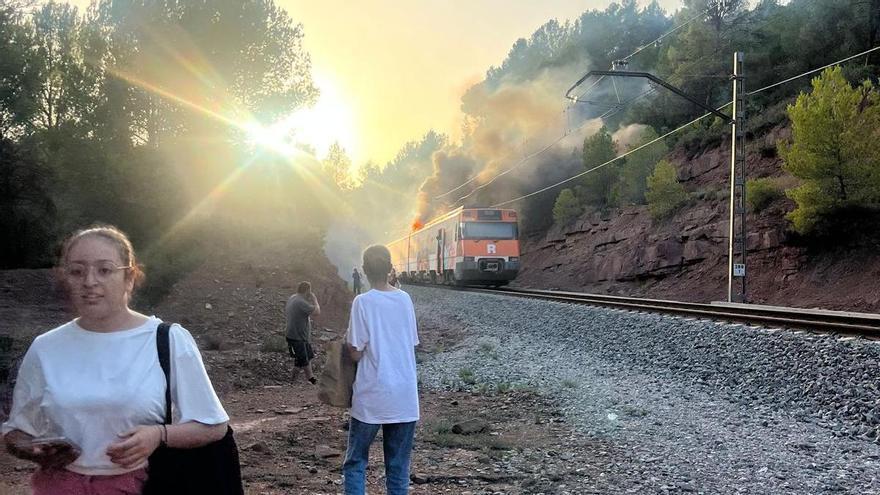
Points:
(390, 70)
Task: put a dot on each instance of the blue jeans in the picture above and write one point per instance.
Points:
(397, 442)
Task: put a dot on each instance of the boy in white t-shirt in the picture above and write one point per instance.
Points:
(382, 336)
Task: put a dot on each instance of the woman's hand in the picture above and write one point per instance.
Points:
(135, 446)
(47, 455)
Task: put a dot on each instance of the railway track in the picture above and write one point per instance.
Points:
(862, 324)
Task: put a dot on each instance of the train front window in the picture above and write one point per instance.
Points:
(488, 230)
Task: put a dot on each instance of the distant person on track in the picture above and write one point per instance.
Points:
(299, 311)
(89, 400)
(382, 336)
(393, 281)
(356, 281)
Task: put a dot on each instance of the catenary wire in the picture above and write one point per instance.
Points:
(610, 113)
(613, 107)
(639, 50)
(539, 191)
(813, 71)
(765, 88)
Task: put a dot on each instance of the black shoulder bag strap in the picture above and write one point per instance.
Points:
(163, 346)
(212, 469)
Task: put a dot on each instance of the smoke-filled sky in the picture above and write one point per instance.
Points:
(403, 65)
(389, 70)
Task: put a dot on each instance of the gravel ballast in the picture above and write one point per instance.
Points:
(684, 405)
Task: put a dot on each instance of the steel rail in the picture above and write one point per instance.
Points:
(862, 324)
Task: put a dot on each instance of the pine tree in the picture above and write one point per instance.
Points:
(834, 149)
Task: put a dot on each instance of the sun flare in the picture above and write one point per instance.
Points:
(329, 121)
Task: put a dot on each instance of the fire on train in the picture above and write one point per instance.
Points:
(468, 246)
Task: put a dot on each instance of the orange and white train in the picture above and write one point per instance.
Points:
(467, 246)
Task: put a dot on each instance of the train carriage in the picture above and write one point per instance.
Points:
(477, 246)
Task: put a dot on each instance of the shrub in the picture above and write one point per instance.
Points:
(567, 207)
(761, 192)
(467, 376)
(665, 194)
(701, 137)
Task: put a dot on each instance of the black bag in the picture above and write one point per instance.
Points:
(211, 469)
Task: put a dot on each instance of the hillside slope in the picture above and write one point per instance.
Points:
(685, 257)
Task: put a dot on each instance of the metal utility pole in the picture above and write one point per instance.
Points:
(736, 253)
(738, 244)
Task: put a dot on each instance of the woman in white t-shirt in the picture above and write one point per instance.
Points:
(89, 399)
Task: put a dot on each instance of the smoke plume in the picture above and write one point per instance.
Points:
(627, 136)
(524, 126)
(504, 123)
(451, 168)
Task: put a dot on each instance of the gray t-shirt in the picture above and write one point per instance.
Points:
(297, 312)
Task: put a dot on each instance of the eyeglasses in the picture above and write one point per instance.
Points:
(103, 270)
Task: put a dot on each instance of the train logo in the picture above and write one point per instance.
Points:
(467, 246)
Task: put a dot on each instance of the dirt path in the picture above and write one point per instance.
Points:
(291, 443)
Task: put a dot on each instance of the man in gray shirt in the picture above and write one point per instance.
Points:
(298, 311)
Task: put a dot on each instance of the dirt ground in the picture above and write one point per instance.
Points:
(289, 442)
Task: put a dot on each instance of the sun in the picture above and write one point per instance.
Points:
(330, 120)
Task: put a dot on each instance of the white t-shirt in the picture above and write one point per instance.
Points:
(91, 386)
(383, 325)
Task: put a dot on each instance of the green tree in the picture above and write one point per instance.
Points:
(409, 168)
(596, 188)
(665, 194)
(58, 57)
(834, 149)
(129, 114)
(27, 211)
(337, 166)
(567, 207)
(19, 81)
(632, 181)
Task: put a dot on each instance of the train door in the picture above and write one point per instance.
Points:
(441, 241)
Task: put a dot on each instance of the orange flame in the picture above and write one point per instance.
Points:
(417, 224)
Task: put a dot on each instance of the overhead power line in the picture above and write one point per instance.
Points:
(790, 79)
(597, 167)
(612, 111)
(639, 50)
(667, 33)
(765, 88)
(506, 171)
(517, 164)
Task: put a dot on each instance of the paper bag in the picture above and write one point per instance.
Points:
(335, 385)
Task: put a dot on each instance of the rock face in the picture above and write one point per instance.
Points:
(614, 251)
(685, 257)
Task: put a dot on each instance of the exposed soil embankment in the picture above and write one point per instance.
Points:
(288, 441)
(685, 257)
(233, 301)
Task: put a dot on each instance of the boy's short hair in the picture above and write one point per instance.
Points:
(304, 288)
(377, 262)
